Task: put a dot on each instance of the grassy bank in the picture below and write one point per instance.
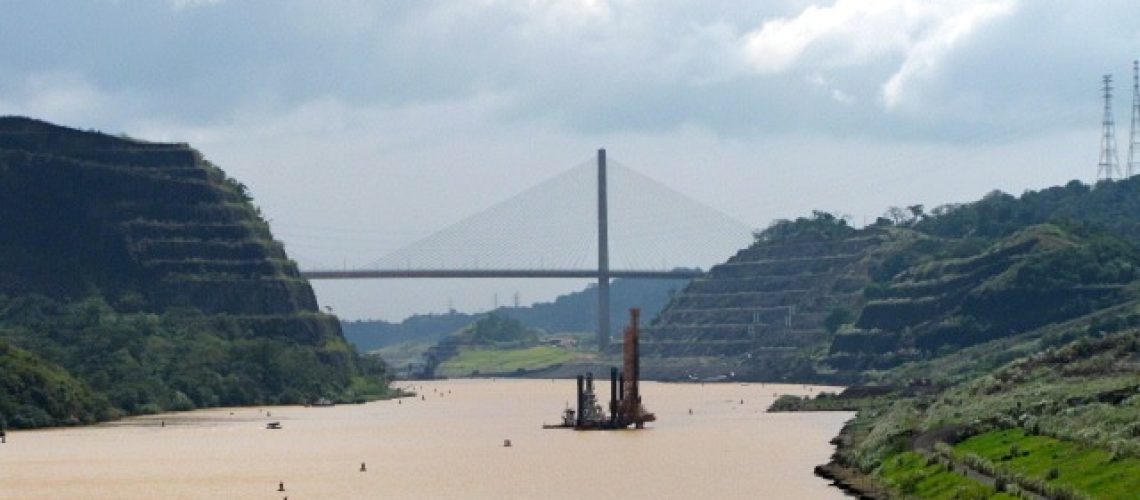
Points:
(1059, 424)
(486, 361)
(1056, 467)
(912, 474)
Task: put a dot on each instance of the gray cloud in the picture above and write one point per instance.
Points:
(593, 66)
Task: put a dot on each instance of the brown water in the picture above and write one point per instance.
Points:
(449, 446)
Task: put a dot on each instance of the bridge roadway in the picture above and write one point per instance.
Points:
(496, 273)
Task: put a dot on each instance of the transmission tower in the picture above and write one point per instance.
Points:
(1134, 136)
(1109, 165)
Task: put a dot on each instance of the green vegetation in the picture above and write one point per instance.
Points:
(913, 475)
(35, 393)
(483, 361)
(1060, 420)
(149, 362)
(1052, 462)
(495, 345)
(498, 331)
(820, 226)
(137, 277)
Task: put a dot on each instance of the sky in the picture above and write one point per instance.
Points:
(361, 126)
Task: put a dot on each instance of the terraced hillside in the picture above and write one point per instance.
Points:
(153, 236)
(1040, 275)
(126, 216)
(764, 312)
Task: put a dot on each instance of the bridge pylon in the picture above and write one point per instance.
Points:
(603, 257)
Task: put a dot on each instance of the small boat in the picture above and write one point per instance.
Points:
(273, 425)
(567, 421)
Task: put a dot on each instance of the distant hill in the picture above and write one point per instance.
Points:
(572, 312)
(138, 277)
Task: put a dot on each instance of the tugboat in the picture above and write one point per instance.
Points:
(568, 420)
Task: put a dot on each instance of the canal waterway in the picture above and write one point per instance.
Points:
(449, 444)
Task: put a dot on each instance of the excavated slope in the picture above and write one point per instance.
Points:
(149, 226)
(759, 315)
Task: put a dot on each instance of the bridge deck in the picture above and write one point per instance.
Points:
(495, 273)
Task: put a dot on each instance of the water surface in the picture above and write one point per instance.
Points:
(449, 445)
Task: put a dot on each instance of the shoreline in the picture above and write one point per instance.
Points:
(851, 482)
(847, 479)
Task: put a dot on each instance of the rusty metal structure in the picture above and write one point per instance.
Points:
(625, 408)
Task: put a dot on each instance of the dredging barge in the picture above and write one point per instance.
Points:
(625, 408)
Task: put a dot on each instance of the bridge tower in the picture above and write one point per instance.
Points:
(603, 257)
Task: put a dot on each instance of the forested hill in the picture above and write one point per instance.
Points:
(815, 299)
(572, 312)
(138, 277)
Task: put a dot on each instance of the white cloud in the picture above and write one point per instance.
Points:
(925, 55)
(852, 33)
(780, 42)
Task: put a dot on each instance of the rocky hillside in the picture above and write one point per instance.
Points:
(142, 254)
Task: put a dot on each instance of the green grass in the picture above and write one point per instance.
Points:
(1087, 469)
(910, 475)
(499, 361)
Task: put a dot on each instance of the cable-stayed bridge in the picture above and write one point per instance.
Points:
(565, 228)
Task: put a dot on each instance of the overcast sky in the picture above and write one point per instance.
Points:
(361, 126)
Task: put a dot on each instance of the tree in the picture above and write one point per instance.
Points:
(896, 215)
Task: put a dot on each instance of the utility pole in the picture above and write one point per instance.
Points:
(603, 257)
(1109, 164)
(1133, 158)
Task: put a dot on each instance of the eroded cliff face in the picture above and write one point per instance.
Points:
(150, 229)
